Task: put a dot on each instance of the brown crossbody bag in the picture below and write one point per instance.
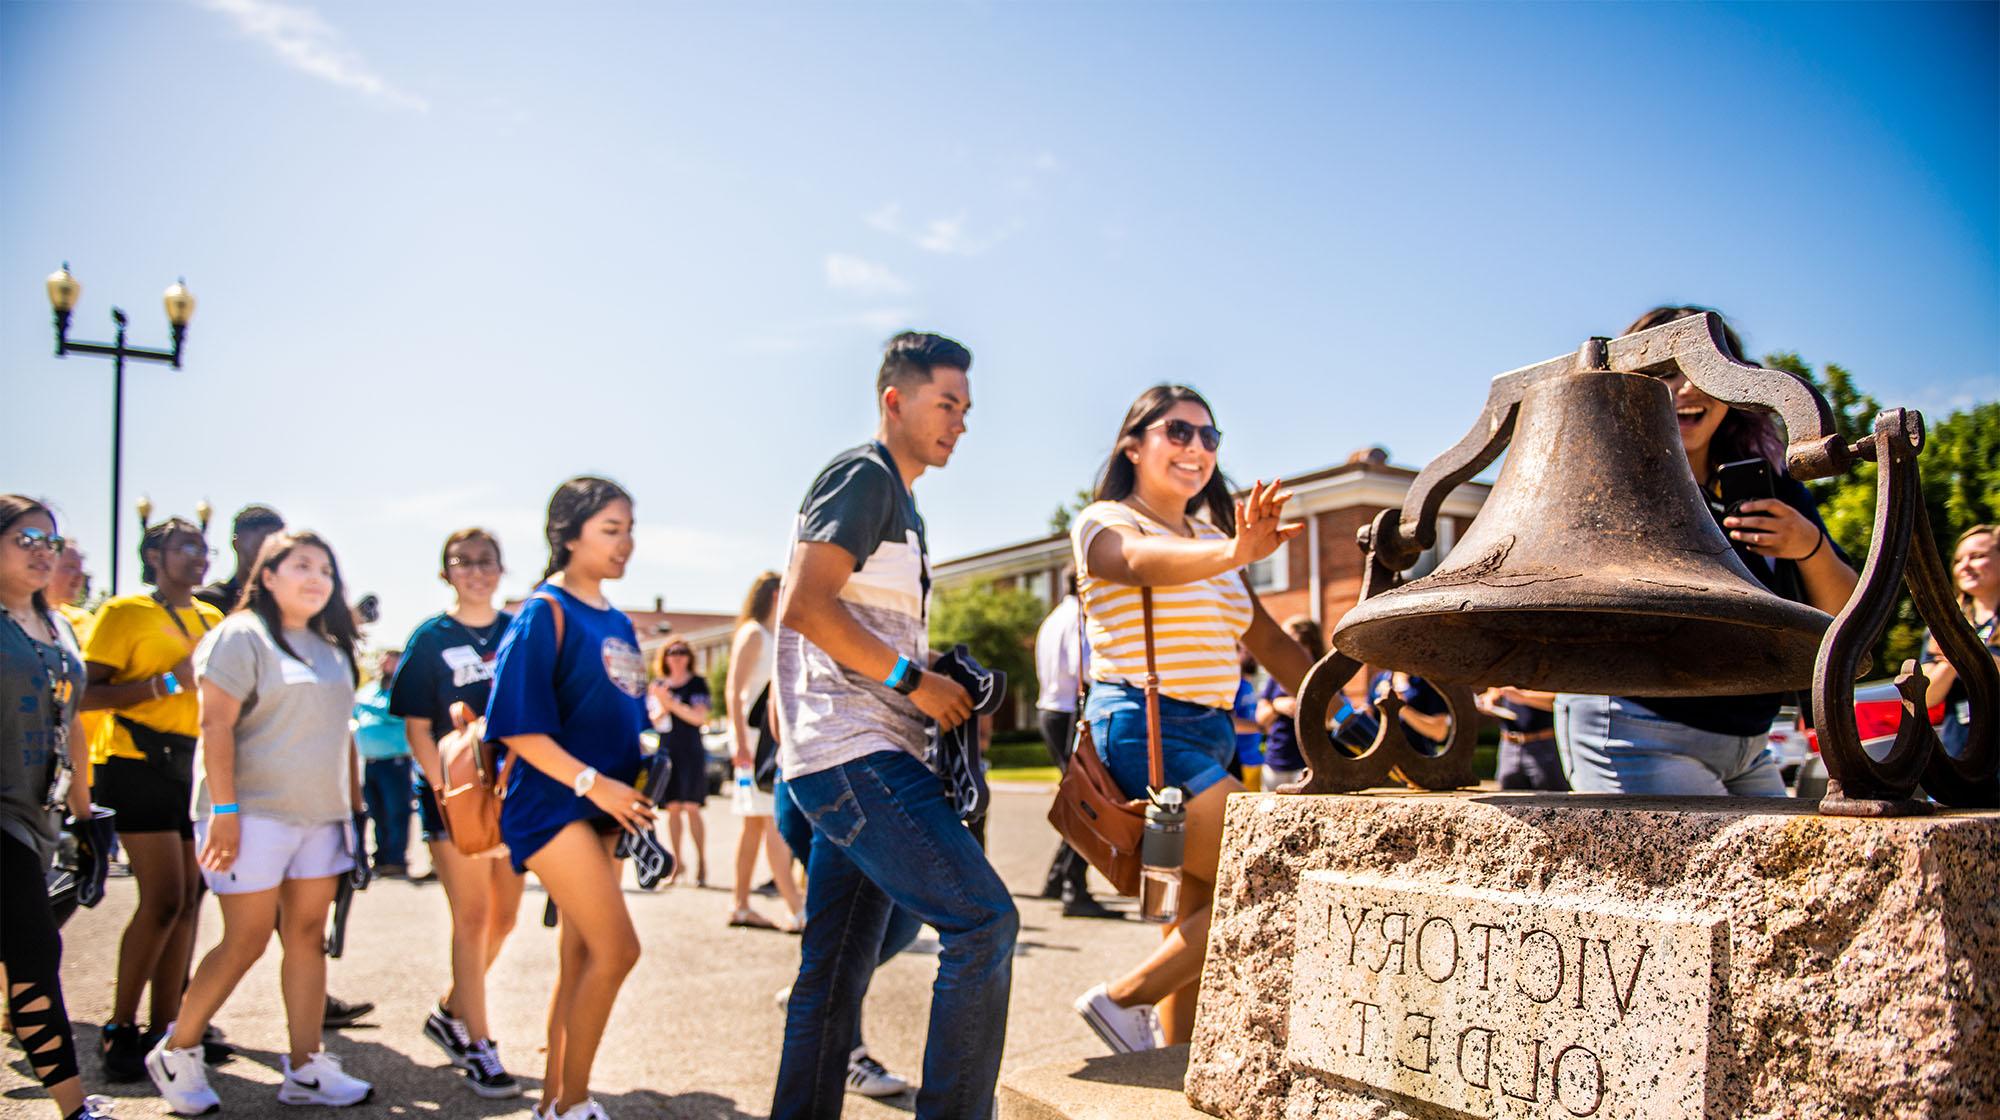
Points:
(1091, 812)
(470, 799)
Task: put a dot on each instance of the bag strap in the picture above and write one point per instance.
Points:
(556, 607)
(1156, 767)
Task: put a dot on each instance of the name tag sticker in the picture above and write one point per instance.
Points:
(298, 672)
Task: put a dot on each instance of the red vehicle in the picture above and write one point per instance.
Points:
(1878, 712)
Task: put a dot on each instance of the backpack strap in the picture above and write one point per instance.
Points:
(555, 606)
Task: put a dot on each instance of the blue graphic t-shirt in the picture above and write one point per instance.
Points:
(446, 661)
(589, 697)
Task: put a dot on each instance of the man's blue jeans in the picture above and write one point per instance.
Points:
(385, 783)
(885, 837)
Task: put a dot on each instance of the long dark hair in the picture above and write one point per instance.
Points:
(1307, 633)
(155, 540)
(13, 507)
(1743, 433)
(1119, 477)
(334, 622)
(574, 503)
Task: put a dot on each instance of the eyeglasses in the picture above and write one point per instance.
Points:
(680, 651)
(480, 565)
(39, 539)
(1181, 433)
(193, 551)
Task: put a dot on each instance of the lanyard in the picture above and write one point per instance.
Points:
(176, 616)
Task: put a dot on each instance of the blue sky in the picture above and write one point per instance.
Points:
(449, 254)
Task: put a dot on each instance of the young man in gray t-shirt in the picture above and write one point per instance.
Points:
(854, 693)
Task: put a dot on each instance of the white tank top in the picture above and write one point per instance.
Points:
(759, 672)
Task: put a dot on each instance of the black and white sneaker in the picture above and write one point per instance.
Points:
(866, 1077)
(955, 753)
(450, 1036)
(486, 1075)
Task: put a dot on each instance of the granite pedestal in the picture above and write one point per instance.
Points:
(1508, 955)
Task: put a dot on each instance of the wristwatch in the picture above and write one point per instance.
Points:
(908, 683)
(584, 781)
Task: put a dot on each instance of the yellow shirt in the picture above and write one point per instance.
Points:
(135, 635)
(1195, 625)
(91, 724)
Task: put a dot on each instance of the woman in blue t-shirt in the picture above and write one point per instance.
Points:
(568, 704)
(450, 659)
(1711, 745)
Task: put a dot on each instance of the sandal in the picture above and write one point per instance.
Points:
(750, 919)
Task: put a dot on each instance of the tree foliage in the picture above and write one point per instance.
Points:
(997, 625)
(1959, 466)
(718, 678)
(1064, 513)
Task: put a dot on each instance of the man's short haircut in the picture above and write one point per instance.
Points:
(256, 517)
(911, 358)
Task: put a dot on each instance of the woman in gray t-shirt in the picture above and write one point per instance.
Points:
(277, 787)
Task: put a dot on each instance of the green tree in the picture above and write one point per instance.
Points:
(1959, 466)
(998, 626)
(718, 694)
(1064, 513)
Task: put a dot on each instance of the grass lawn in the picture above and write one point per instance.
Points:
(1044, 773)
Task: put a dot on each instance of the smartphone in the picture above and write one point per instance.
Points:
(1743, 481)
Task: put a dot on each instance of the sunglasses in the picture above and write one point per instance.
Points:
(680, 651)
(1181, 433)
(483, 564)
(192, 551)
(38, 539)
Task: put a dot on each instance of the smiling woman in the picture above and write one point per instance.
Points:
(1712, 745)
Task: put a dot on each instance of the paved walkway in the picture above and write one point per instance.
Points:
(695, 1032)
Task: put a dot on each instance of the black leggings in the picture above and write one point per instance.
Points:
(32, 951)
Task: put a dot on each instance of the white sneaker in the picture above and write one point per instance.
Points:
(321, 1081)
(1126, 1030)
(181, 1077)
(866, 1077)
(784, 998)
(588, 1110)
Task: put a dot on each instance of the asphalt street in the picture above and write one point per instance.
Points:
(696, 1031)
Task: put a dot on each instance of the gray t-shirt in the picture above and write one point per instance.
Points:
(31, 712)
(291, 737)
(832, 714)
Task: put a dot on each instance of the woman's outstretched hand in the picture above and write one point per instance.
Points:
(1260, 527)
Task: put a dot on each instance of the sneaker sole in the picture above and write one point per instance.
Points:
(878, 1093)
(492, 1092)
(1104, 1031)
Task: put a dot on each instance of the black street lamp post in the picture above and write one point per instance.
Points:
(63, 293)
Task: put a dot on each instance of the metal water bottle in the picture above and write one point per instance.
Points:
(1160, 853)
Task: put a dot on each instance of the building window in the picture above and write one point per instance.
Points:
(1038, 584)
(1273, 572)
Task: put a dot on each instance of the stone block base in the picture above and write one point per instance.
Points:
(1521, 955)
(1143, 1086)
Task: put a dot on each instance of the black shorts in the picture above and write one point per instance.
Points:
(147, 798)
(430, 815)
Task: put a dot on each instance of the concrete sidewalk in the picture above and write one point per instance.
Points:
(695, 1032)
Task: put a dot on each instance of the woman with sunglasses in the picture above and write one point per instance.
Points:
(1711, 746)
(140, 659)
(567, 709)
(279, 794)
(677, 704)
(1163, 521)
(41, 678)
(450, 659)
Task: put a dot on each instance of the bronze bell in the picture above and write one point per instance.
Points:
(1595, 566)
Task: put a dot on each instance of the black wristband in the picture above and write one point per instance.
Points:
(910, 678)
(1817, 545)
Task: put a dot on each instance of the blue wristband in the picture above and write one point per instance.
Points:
(897, 674)
(223, 810)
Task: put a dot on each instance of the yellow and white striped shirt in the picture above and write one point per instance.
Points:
(1195, 625)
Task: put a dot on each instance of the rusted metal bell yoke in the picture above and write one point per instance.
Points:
(1594, 566)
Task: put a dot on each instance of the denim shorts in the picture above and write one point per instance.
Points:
(1197, 743)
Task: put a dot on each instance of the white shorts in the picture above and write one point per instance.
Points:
(271, 851)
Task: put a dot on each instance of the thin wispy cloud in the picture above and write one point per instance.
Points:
(307, 43)
(791, 338)
(953, 236)
(846, 272)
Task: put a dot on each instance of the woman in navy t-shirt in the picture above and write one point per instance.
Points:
(450, 659)
(677, 705)
(570, 707)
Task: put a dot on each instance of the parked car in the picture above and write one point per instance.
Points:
(714, 744)
(1789, 742)
(1878, 712)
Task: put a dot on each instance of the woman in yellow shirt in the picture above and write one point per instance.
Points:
(1145, 530)
(142, 759)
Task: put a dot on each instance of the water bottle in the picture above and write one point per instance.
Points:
(743, 800)
(1160, 851)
